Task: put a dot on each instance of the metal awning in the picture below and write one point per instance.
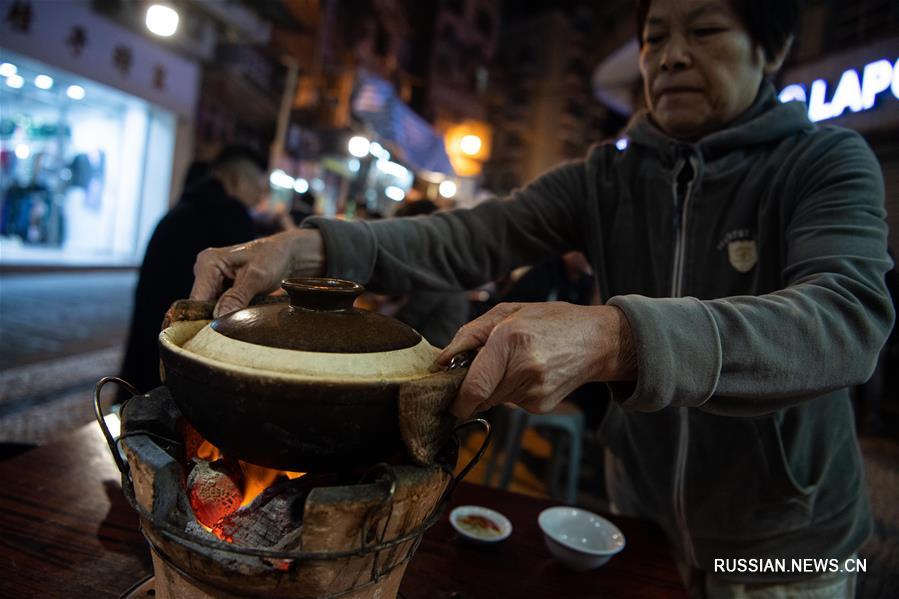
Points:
(376, 103)
(615, 78)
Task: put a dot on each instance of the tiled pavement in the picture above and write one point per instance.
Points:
(39, 402)
(59, 334)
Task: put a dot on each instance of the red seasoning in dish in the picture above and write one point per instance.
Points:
(479, 525)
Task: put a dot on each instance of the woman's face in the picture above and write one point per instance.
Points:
(700, 68)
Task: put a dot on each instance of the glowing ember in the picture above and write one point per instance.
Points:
(219, 487)
(214, 490)
(208, 452)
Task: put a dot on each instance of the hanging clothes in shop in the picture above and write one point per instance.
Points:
(29, 214)
(87, 173)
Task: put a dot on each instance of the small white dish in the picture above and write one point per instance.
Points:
(579, 539)
(480, 524)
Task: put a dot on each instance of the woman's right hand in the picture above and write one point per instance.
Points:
(255, 267)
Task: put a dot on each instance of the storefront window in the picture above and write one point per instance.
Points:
(84, 169)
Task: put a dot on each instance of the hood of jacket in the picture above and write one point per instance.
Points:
(766, 121)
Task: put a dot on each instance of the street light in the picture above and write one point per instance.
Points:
(162, 20)
(279, 178)
(300, 185)
(447, 188)
(358, 146)
(394, 193)
(15, 81)
(393, 169)
(470, 145)
(378, 151)
(8, 69)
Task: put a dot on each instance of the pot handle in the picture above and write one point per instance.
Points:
(462, 360)
(423, 406)
(98, 414)
(477, 456)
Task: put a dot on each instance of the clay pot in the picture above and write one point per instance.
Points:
(310, 385)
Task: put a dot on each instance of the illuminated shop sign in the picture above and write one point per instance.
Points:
(854, 92)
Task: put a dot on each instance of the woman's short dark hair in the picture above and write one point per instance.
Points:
(417, 208)
(234, 154)
(771, 23)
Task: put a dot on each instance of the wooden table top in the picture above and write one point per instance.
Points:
(66, 530)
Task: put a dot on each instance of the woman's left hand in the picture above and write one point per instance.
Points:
(536, 354)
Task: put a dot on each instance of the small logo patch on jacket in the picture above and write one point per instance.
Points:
(743, 254)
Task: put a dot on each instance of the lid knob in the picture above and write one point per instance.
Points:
(319, 318)
(327, 294)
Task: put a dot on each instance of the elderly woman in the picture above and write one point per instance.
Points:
(741, 251)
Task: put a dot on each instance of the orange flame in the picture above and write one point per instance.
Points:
(256, 479)
(209, 452)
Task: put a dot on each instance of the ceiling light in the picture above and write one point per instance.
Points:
(43, 81)
(76, 92)
(162, 20)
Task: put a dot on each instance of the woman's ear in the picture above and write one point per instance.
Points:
(773, 64)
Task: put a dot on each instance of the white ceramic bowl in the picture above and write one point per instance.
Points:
(471, 533)
(579, 539)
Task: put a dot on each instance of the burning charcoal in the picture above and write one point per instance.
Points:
(155, 413)
(198, 530)
(214, 489)
(292, 541)
(276, 512)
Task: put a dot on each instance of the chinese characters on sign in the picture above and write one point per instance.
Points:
(122, 59)
(159, 77)
(19, 16)
(77, 40)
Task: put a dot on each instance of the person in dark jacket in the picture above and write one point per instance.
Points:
(214, 210)
(436, 315)
(740, 251)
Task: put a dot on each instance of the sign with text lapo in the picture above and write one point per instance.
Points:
(857, 89)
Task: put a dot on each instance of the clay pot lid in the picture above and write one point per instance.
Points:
(320, 317)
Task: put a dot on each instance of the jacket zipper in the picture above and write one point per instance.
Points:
(677, 281)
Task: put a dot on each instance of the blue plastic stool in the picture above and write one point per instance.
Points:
(568, 419)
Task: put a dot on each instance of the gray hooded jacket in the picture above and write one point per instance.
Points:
(750, 265)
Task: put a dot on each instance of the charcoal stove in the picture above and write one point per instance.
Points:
(352, 537)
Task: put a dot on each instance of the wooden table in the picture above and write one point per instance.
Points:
(67, 531)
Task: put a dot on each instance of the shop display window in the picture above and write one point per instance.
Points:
(84, 168)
